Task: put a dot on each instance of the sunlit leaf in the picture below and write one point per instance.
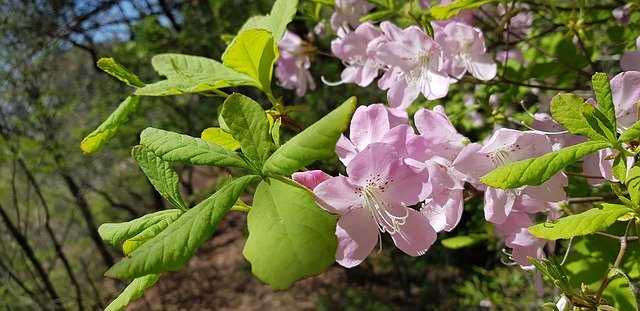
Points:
(170, 250)
(290, 236)
(112, 67)
(602, 90)
(535, 171)
(160, 174)
(253, 52)
(446, 11)
(595, 219)
(133, 291)
(218, 136)
(567, 110)
(105, 132)
(249, 126)
(118, 232)
(282, 13)
(174, 147)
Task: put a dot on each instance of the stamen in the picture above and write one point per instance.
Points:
(329, 83)
(380, 210)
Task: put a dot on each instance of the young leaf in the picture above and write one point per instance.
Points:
(593, 220)
(131, 244)
(633, 185)
(602, 89)
(110, 66)
(535, 171)
(632, 133)
(103, 134)
(191, 74)
(282, 13)
(253, 52)
(117, 232)
(174, 147)
(463, 241)
(446, 11)
(160, 174)
(170, 250)
(316, 142)
(133, 291)
(219, 137)
(599, 122)
(567, 110)
(249, 125)
(290, 237)
(619, 169)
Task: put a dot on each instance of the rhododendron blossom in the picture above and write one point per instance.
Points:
(464, 50)
(631, 60)
(292, 67)
(506, 146)
(374, 199)
(351, 48)
(371, 124)
(416, 65)
(348, 13)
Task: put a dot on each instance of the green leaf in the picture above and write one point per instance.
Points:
(602, 89)
(131, 244)
(219, 137)
(446, 11)
(275, 132)
(463, 241)
(103, 134)
(378, 16)
(133, 291)
(316, 142)
(282, 13)
(567, 110)
(633, 185)
(253, 52)
(593, 220)
(170, 250)
(249, 125)
(535, 171)
(117, 232)
(632, 133)
(160, 174)
(619, 169)
(191, 74)
(174, 147)
(599, 122)
(110, 66)
(290, 237)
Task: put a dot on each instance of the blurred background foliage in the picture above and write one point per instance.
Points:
(53, 198)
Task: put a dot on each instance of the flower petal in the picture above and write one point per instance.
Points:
(357, 235)
(497, 204)
(416, 235)
(337, 195)
(376, 162)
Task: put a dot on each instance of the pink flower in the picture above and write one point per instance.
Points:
(622, 14)
(506, 146)
(373, 199)
(372, 124)
(416, 65)
(351, 48)
(292, 67)
(464, 50)
(631, 60)
(348, 13)
(517, 237)
(311, 178)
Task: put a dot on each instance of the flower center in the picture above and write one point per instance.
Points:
(381, 210)
(501, 157)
